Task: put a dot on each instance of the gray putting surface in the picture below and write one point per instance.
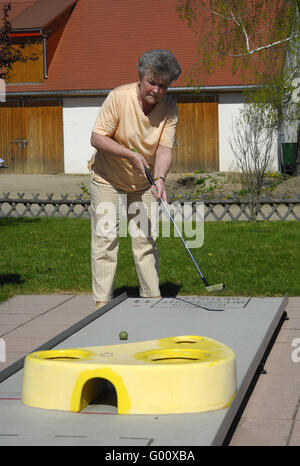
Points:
(244, 324)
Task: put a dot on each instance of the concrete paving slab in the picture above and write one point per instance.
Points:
(292, 323)
(33, 304)
(81, 305)
(287, 335)
(24, 345)
(294, 310)
(5, 329)
(265, 433)
(270, 401)
(295, 435)
(14, 318)
(280, 362)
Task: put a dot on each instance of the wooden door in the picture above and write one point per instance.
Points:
(43, 131)
(10, 137)
(197, 138)
(31, 137)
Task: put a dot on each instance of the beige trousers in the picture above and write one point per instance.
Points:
(111, 211)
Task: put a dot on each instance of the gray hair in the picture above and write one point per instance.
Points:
(160, 62)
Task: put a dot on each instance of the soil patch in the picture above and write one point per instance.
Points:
(227, 185)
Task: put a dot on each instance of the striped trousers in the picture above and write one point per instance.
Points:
(140, 209)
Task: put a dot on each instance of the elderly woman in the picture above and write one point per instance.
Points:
(135, 128)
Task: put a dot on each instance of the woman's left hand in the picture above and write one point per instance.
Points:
(159, 190)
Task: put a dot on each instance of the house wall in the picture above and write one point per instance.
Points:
(230, 106)
(79, 116)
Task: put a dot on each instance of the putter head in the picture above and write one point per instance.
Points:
(219, 287)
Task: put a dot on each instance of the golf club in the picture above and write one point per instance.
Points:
(209, 288)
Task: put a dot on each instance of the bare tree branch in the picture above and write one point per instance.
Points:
(257, 49)
(241, 26)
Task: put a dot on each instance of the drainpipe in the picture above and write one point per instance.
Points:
(45, 54)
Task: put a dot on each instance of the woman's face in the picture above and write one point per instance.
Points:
(152, 89)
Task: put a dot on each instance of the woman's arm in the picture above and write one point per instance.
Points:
(163, 162)
(112, 147)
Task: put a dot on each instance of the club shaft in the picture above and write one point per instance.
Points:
(183, 240)
(151, 181)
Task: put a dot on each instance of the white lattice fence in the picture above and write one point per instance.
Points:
(215, 210)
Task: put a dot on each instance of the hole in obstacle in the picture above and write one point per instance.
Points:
(99, 394)
(64, 354)
(175, 359)
(180, 355)
(63, 358)
(185, 341)
(182, 349)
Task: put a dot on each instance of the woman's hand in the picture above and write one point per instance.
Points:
(112, 147)
(159, 190)
(138, 162)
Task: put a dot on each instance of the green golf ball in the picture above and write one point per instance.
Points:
(123, 335)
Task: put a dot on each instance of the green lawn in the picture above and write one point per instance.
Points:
(45, 255)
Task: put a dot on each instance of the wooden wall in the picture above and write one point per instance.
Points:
(31, 71)
(31, 136)
(197, 140)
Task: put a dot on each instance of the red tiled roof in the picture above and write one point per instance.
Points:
(102, 41)
(17, 7)
(41, 13)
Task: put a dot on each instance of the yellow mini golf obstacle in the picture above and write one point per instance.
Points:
(181, 374)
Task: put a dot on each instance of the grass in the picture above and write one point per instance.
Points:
(41, 256)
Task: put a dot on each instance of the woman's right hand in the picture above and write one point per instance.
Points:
(138, 162)
(112, 147)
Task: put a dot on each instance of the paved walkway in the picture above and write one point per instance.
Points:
(43, 184)
(272, 415)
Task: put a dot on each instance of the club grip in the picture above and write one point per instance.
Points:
(149, 177)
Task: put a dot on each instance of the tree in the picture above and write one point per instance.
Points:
(9, 54)
(252, 144)
(259, 39)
